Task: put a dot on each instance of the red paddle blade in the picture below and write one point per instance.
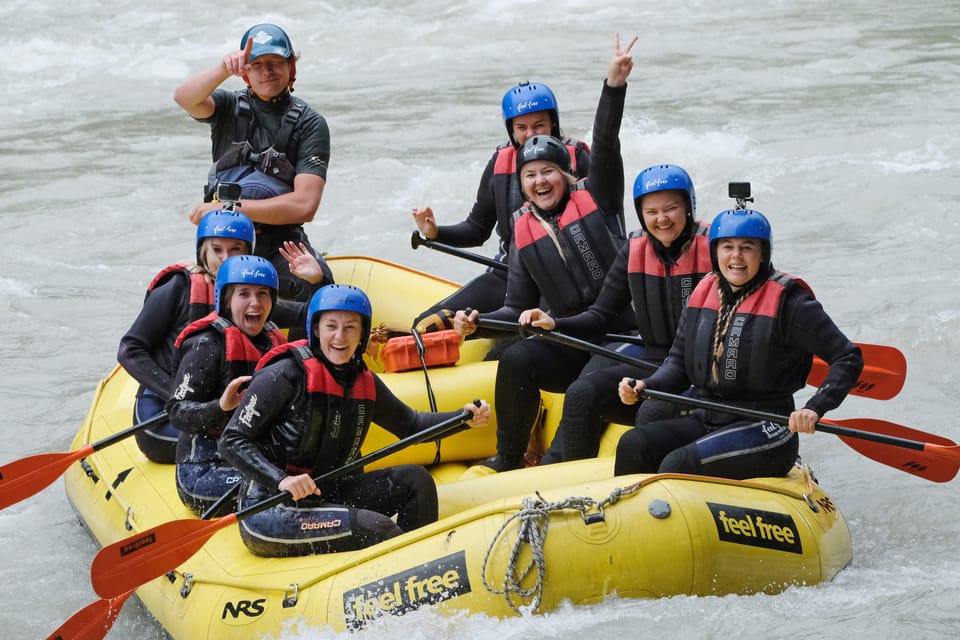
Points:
(125, 565)
(883, 375)
(938, 461)
(93, 622)
(22, 478)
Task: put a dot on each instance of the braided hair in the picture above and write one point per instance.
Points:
(729, 302)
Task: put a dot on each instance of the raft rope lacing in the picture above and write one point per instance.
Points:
(534, 520)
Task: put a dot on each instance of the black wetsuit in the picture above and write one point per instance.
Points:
(533, 364)
(281, 428)
(498, 197)
(210, 359)
(655, 281)
(768, 351)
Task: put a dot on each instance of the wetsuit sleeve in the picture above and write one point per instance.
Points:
(809, 328)
(313, 153)
(481, 220)
(194, 406)
(146, 351)
(608, 308)
(395, 416)
(289, 314)
(605, 179)
(271, 392)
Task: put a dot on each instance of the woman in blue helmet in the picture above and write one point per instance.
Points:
(746, 338)
(178, 295)
(218, 354)
(275, 145)
(306, 412)
(654, 274)
(529, 109)
(560, 252)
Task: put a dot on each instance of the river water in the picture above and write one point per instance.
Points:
(842, 114)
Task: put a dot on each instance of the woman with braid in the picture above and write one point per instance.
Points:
(746, 338)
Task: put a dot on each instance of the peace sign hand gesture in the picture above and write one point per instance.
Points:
(621, 64)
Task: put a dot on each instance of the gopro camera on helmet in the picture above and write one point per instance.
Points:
(740, 191)
(228, 193)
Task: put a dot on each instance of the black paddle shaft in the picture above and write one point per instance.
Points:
(416, 240)
(576, 343)
(432, 433)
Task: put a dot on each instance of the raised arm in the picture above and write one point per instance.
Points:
(194, 95)
(606, 162)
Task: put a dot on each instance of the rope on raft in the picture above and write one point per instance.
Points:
(534, 520)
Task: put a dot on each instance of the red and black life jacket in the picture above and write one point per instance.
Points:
(240, 355)
(505, 186)
(201, 291)
(570, 275)
(338, 418)
(660, 291)
(756, 364)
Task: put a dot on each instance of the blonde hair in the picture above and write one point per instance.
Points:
(202, 251)
(201, 267)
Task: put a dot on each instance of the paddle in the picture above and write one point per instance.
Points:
(93, 622)
(22, 478)
(937, 461)
(882, 378)
(214, 510)
(883, 375)
(129, 563)
(416, 240)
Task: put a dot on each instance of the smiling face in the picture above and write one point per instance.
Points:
(664, 214)
(739, 259)
(269, 75)
(543, 183)
(215, 250)
(249, 306)
(528, 125)
(338, 333)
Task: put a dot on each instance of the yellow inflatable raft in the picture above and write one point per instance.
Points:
(492, 550)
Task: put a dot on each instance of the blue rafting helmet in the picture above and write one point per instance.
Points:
(267, 39)
(225, 224)
(545, 148)
(245, 270)
(740, 223)
(529, 97)
(663, 177)
(340, 297)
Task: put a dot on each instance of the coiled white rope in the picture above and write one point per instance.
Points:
(534, 520)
